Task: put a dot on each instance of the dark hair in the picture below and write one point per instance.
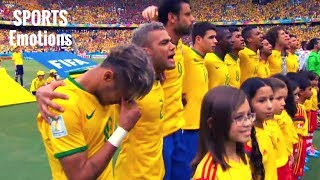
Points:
(286, 31)
(132, 66)
(233, 29)
(169, 6)
(219, 104)
(250, 87)
(272, 35)
(310, 75)
(221, 32)
(290, 106)
(304, 45)
(301, 79)
(312, 43)
(275, 83)
(292, 35)
(200, 29)
(246, 32)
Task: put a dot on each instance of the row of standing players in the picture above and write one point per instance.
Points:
(163, 147)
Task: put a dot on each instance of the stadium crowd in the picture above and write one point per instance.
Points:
(252, 115)
(124, 11)
(107, 11)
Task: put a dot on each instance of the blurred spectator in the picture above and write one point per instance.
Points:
(125, 11)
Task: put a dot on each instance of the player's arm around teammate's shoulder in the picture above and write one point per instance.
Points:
(44, 97)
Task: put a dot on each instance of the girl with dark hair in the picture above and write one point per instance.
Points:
(262, 158)
(280, 93)
(225, 126)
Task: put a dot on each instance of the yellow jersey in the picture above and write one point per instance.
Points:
(249, 64)
(140, 156)
(292, 62)
(197, 76)
(312, 103)
(208, 170)
(36, 84)
(218, 73)
(275, 62)
(172, 86)
(301, 121)
(17, 58)
(288, 130)
(264, 70)
(278, 142)
(268, 152)
(85, 125)
(233, 64)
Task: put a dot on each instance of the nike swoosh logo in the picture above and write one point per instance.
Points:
(217, 67)
(195, 60)
(90, 116)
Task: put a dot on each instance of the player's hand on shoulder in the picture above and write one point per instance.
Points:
(129, 114)
(150, 13)
(44, 97)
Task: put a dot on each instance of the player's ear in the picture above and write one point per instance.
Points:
(108, 75)
(249, 40)
(148, 51)
(172, 18)
(198, 38)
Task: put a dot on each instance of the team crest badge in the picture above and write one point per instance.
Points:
(58, 128)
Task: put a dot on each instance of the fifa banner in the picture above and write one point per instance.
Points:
(62, 62)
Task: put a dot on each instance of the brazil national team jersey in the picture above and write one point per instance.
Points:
(196, 76)
(233, 64)
(264, 70)
(292, 62)
(275, 62)
(218, 72)
(207, 170)
(84, 126)
(140, 156)
(312, 103)
(249, 63)
(172, 86)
